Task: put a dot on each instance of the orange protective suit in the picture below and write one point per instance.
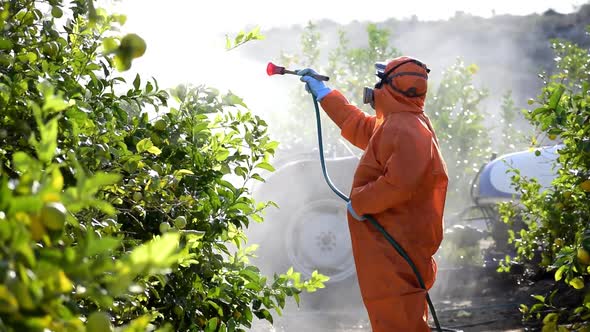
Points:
(401, 180)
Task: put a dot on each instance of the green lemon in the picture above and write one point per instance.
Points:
(53, 216)
(122, 62)
(132, 45)
(156, 139)
(160, 125)
(137, 196)
(56, 12)
(164, 227)
(178, 310)
(180, 222)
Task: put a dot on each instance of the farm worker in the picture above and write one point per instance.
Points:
(401, 180)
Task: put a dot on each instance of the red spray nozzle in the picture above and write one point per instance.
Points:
(272, 69)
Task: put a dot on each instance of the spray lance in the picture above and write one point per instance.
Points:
(272, 69)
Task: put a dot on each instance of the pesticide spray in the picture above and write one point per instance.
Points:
(273, 69)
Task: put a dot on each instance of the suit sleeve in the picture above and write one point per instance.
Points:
(355, 125)
(409, 151)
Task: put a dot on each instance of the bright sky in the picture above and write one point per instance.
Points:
(235, 14)
(186, 44)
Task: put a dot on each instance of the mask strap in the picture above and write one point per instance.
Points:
(411, 92)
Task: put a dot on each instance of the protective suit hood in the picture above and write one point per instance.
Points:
(388, 100)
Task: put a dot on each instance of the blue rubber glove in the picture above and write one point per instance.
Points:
(353, 213)
(313, 86)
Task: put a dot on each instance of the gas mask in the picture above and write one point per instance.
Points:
(368, 93)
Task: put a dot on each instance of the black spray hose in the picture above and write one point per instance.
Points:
(372, 220)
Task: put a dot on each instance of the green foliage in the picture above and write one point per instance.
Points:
(454, 109)
(242, 38)
(122, 205)
(557, 218)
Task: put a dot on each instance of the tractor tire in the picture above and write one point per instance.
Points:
(309, 231)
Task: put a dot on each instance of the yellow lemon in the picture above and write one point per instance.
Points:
(583, 256)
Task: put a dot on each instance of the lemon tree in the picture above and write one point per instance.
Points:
(557, 237)
(116, 209)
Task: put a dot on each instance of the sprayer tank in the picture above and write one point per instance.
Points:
(494, 183)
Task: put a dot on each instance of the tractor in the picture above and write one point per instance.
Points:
(308, 231)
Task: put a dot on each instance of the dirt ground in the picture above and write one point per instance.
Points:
(465, 300)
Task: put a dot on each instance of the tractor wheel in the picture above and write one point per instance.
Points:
(309, 230)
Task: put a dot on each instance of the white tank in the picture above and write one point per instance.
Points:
(494, 183)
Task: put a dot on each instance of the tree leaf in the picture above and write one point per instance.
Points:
(99, 180)
(265, 166)
(154, 150)
(137, 82)
(221, 154)
(212, 325)
(555, 97)
(144, 145)
(97, 246)
(46, 148)
(109, 45)
(577, 283)
(559, 272)
(158, 253)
